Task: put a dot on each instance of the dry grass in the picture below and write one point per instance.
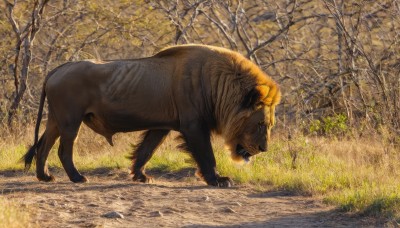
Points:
(371, 166)
(12, 215)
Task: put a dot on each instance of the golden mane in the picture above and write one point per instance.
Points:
(242, 75)
(268, 88)
(232, 77)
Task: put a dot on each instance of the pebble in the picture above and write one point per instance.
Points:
(238, 204)
(53, 203)
(206, 198)
(229, 210)
(113, 214)
(157, 214)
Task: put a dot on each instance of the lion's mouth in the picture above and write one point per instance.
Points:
(243, 152)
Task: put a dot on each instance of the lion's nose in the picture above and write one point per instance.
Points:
(262, 148)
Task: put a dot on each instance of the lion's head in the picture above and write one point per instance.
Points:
(251, 130)
(246, 120)
(253, 133)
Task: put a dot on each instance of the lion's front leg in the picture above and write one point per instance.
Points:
(198, 143)
(151, 140)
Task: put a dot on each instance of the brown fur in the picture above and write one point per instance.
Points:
(193, 89)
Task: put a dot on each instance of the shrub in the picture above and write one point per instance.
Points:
(335, 125)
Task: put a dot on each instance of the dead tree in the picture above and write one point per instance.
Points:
(25, 36)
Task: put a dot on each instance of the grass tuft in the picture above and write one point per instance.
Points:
(170, 160)
(369, 199)
(11, 215)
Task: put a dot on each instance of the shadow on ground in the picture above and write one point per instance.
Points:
(105, 171)
(62, 184)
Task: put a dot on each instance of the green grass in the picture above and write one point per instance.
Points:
(355, 175)
(310, 173)
(10, 156)
(170, 160)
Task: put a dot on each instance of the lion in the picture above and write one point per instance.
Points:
(197, 90)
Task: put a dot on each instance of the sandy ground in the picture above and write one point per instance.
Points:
(173, 200)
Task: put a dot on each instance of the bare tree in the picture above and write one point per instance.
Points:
(25, 37)
(359, 26)
(331, 57)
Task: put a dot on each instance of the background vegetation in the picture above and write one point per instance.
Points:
(337, 61)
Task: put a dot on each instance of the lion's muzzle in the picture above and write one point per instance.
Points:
(240, 150)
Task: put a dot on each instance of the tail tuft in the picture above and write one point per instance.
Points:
(28, 157)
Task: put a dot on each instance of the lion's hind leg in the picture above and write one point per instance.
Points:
(47, 141)
(144, 151)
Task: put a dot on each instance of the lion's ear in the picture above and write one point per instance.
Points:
(252, 99)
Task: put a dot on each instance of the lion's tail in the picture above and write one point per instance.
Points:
(28, 157)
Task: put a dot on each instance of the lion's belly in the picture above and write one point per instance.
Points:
(132, 122)
(110, 119)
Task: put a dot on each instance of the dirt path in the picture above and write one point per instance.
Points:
(169, 202)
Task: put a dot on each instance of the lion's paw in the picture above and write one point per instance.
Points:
(46, 178)
(79, 179)
(142, 178)
(222, 182)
